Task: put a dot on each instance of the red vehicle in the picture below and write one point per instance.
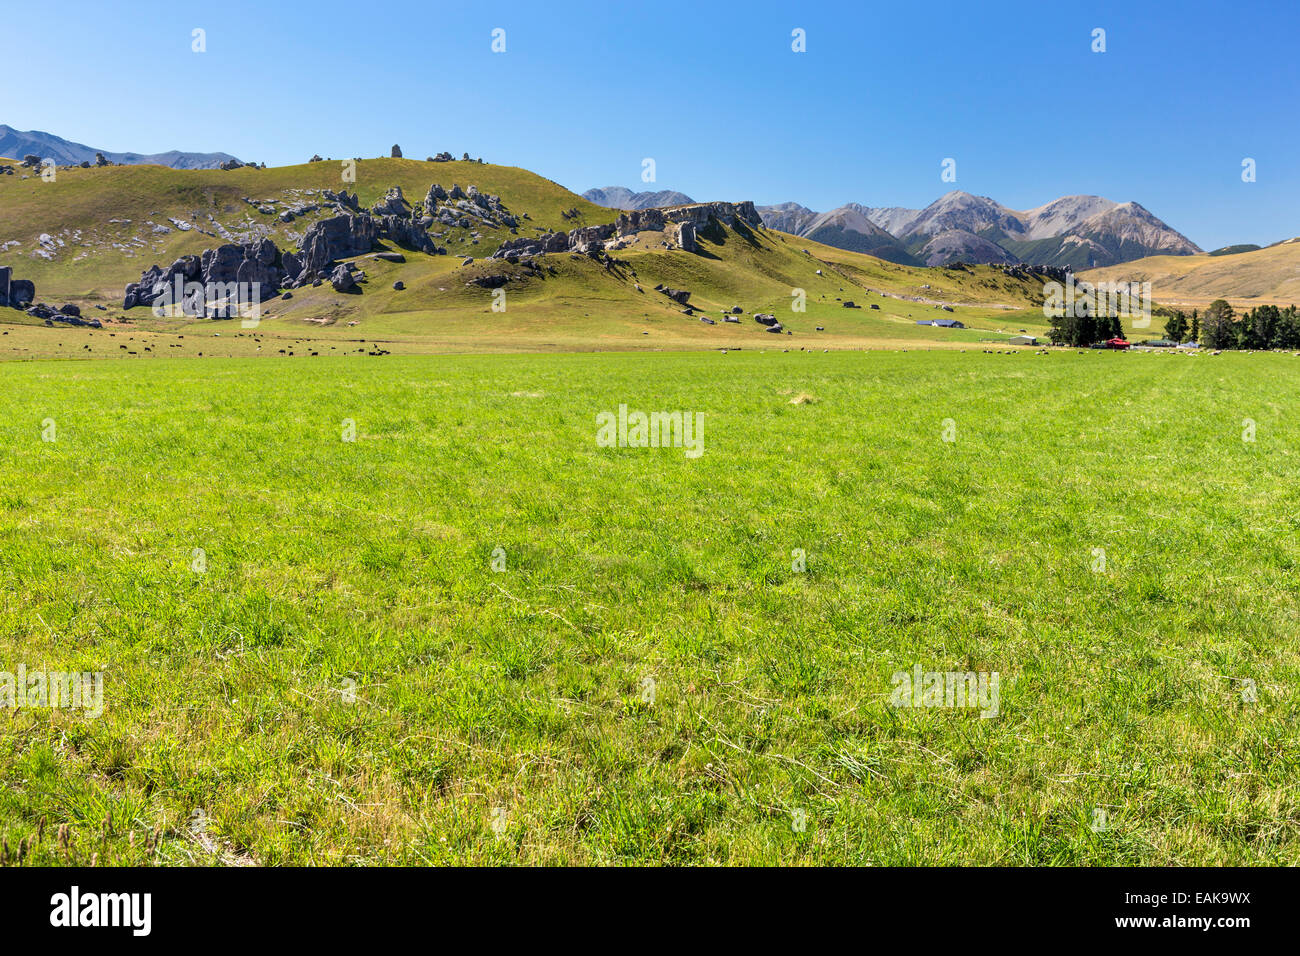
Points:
(1116, 343)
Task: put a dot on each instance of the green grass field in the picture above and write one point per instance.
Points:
(345, 678)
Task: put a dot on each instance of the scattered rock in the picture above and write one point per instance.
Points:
(342, 279)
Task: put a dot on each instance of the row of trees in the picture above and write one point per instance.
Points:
(1263, 327)
(1083, 330)
(1178, 329)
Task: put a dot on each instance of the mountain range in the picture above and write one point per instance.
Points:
(17, 144)
(1077, 231)
(1081, 232)
(620, 197)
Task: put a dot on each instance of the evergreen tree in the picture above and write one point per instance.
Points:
(1259, 331)
(1176, 327)
(1219, 328)
(1287, 335)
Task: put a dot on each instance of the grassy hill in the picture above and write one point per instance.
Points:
(1270, 275)
(82, 238)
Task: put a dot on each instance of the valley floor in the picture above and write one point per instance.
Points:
(412, 611)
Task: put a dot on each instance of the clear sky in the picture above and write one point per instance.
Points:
(712, 91)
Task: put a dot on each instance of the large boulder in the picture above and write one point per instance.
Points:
(15, 293)
(408, 233)
(22, 293)
(340, 237)
(342, 199)
(342, 279)
(686, 237)
(393, 204)
(435, 194)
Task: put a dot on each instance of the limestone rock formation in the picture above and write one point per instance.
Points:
(15, 293)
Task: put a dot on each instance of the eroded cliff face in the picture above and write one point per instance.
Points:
(681, 222)
(696, 214)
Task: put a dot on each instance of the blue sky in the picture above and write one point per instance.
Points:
(713, 92)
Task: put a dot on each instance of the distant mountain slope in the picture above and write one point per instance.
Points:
(1062, 215)
(620, 197)
(960, 245)
(788, 217)
(845, 228)
(959, 210)
(1264, 275)
(1077, 231)
(16, 144)
(893, 219)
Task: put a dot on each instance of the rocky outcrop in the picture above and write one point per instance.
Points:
(698, 215)
(393, 204)
(409, 234)
(342, 279)
(65, 314)
(202, 285)
(20, 294)
(262, 270)
(526, 246)
(686, 237)
(587, 240)
(340, 237)
(343, 200)
(590, 239)
(15, 293)
(466, 208)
